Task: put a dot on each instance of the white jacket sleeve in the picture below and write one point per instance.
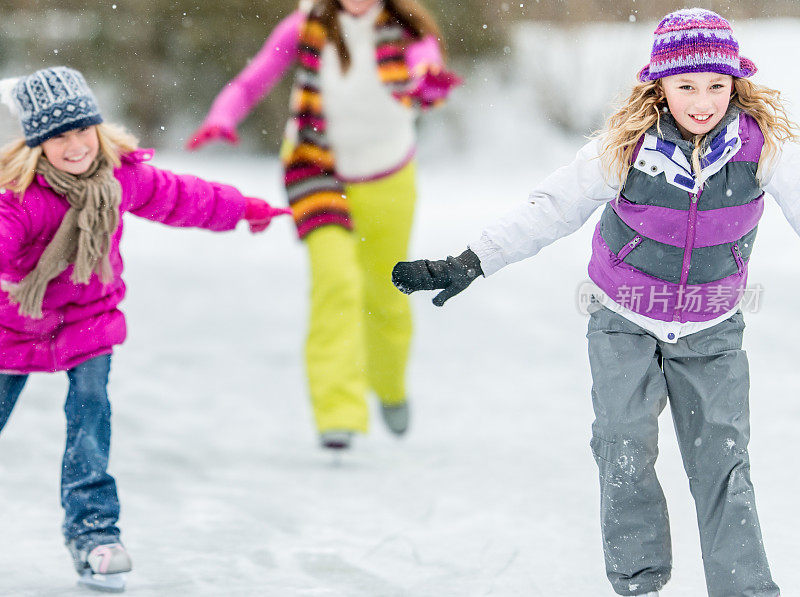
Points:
(783, 183)
(557, 207)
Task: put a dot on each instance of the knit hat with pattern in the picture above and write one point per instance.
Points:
(695, 40)
(52, 101)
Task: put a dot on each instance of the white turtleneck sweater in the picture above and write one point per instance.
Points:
(369, 131)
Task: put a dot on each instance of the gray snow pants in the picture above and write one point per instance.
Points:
(705, 377)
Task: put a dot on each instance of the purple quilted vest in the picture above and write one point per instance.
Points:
(675, 250)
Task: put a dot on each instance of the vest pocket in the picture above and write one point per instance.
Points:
(626, 249)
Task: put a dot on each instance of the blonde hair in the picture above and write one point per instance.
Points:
(18, 161)
(647, 102)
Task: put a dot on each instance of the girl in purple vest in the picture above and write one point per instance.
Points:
(681, 170)
(65, 186)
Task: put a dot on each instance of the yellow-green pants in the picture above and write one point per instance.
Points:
(360, 328)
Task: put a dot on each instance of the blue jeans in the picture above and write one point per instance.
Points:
(88, 492)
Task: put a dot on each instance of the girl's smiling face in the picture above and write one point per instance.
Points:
(73, 151)
(357, 7)
(697, 101)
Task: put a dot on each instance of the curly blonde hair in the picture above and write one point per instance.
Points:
(647, 102)
(18, 161)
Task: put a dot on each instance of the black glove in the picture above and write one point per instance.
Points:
(451, 275)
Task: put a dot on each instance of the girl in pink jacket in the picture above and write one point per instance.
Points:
(65, 186)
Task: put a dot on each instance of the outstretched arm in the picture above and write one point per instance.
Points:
(241, 94)
(187, 201)
(557, 207)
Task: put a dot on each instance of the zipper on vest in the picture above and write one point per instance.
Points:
(737, 256)
(691, 233)
(627, 248)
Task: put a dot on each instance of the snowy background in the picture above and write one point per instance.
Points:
(494, 491)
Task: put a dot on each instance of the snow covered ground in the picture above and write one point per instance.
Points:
(494, 492)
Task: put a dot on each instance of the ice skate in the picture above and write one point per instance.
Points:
(336, 440)
(103, 567)
(396, 417)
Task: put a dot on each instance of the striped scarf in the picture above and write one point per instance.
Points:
(316, 195)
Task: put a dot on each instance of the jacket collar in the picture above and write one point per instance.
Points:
(669, 129)
(669, 153)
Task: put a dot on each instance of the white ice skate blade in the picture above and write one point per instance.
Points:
(107, 583)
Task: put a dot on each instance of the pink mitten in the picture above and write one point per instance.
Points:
(211, 132)
(433, 85)
(259, 213)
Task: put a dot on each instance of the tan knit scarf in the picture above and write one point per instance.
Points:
(84, 235)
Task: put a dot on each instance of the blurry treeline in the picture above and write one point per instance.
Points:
(159, 63)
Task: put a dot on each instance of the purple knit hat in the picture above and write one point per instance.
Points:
(695, 40)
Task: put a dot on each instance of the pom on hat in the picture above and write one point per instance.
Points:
(7, 94)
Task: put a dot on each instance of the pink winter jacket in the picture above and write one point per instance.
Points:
(82, 321)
